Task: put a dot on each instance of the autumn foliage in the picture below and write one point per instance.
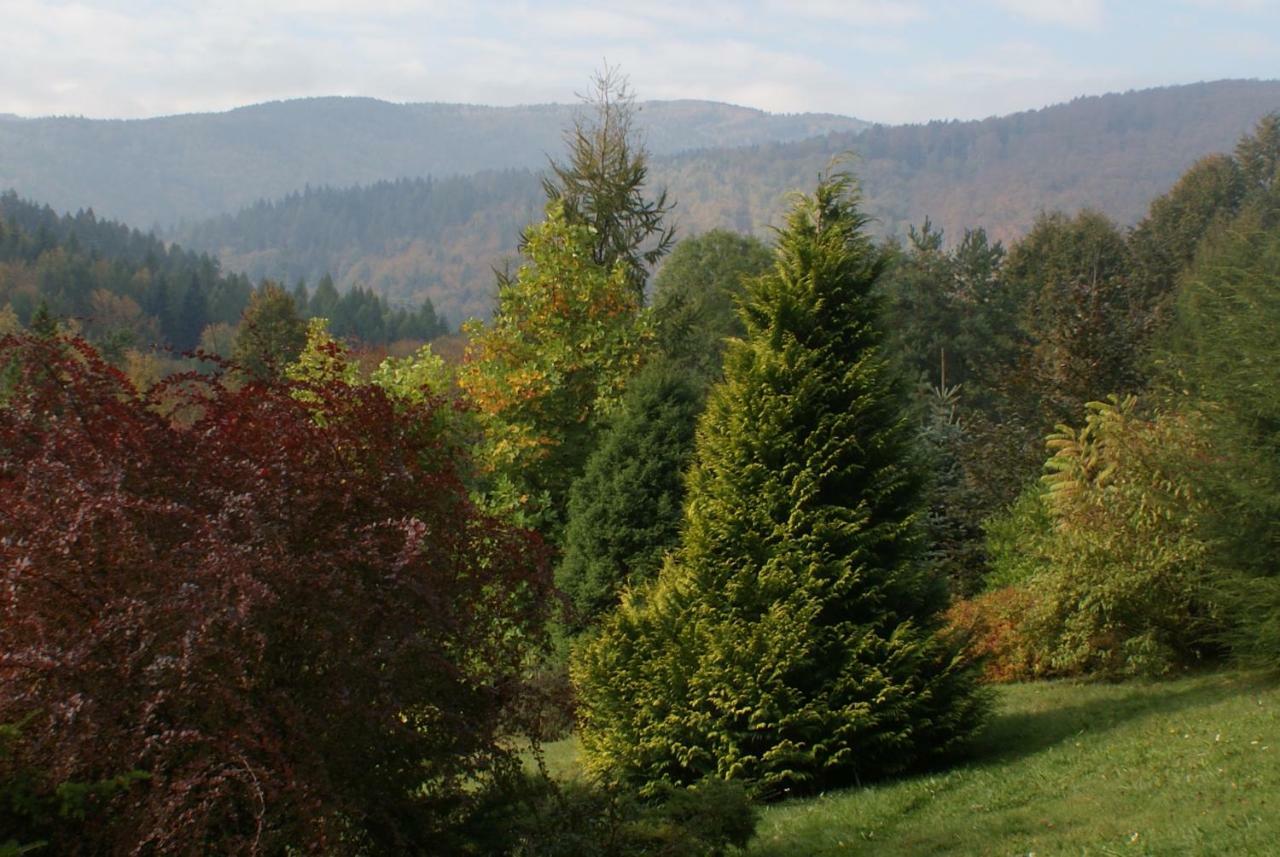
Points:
(991, 627)
(299, 628)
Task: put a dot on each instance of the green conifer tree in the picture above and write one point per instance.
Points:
(42, 321)
(791, 642)
(1220, 360)
(624, 511)
(695, 295)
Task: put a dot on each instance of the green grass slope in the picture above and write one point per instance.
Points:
(1184, 767)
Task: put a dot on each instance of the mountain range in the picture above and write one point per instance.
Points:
(423, 200)
(157, 172)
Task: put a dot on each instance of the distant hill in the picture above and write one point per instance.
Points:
(159, 171)
(439, 239)
(1114, 153)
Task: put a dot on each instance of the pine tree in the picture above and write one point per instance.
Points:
(42, 321)
(1220, 360)
(791, 641)
(193, 317)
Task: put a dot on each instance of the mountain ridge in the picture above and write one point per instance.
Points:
(410, 240)
(159, 171)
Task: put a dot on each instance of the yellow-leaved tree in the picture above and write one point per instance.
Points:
(567, 335)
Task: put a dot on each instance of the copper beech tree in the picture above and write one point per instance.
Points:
(298, 631)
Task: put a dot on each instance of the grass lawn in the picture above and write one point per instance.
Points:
(1182, 767)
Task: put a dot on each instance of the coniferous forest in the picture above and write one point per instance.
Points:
(745, 526)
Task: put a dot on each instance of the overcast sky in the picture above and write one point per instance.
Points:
(876, 59)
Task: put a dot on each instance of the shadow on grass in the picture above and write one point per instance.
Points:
(1009, 736)
(1029, 720)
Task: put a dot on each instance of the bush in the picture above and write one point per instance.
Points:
(1017, 540)
(35, 814)
(299, 628)
(992, 628)
(1126, 587)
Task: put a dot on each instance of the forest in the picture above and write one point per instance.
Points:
(163, 171)
(144, 303)
(748, 523)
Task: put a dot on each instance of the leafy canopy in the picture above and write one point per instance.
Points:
(567, 334)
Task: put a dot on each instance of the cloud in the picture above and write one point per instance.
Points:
(878, 59)
(1233, 5)
(865, 13)
(1076, 14)
(1244, 43)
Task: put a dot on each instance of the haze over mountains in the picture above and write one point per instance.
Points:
(160, 171)
(724, 166)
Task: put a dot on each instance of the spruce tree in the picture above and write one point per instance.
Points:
(624, 511)
(601, 184)
(791, 642)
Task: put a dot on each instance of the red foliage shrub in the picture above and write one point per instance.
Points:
(992, 626)
(299, 627)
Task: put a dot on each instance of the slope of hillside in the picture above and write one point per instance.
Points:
(413, 240)
(160, 171)
(1187, 767)
(1113, 152)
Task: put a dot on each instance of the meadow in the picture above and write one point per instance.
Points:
(1189, 766)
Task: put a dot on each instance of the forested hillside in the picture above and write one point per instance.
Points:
(134, 296)
(159, 171)
(1113, 153)
(439, 239)
(412, 239)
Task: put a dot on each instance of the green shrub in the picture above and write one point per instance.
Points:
(1017, 540)
(1126, 590)
(30, 813)
(536, 817)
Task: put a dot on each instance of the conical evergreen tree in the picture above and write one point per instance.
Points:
(791, 641)
(42, 321)
(624, 511)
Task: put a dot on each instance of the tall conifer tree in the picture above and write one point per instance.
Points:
(791, 641)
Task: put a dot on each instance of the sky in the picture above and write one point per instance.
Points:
(880, 60)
